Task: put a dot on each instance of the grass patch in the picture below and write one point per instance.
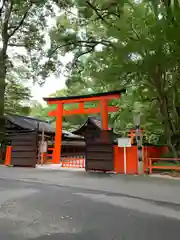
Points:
(170, 172)
(166, 163)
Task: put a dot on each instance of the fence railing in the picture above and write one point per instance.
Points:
(46, 157)
(49, 156)
(73, 162)
(67, 162)
(168, 167)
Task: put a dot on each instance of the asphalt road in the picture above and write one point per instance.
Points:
(43, 212)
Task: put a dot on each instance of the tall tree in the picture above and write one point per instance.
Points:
(23, 30)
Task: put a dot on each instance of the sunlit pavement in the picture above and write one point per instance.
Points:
(33, 209)
(58, 167)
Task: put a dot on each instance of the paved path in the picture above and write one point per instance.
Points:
(134, 186)
(47, 212)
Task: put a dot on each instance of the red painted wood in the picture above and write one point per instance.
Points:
(83, 111)
(8, 156)
(118, 160)
(104, 114)
(152, 152)
(58, 136)
(132, 160)
(90, 99)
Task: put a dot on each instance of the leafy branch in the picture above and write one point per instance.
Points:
(2, 7)
(16, 28)
(102, 17)
(8, 9)
(81, 43)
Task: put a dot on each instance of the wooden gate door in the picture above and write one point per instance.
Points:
(99, 150)
(24, 149)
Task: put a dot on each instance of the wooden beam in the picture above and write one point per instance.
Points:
(134, 130)
(52, 113)
(90, 99)
(58, 136)
(81, 106)
(104, 114)
(83, 111)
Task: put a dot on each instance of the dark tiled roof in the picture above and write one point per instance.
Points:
(71, 135)
(91, 120)
(96, 121)
(85, 96)
(30, 123)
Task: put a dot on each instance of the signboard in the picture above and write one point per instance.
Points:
(124, 142)
(43, 147)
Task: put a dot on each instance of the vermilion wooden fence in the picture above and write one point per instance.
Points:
(131, 160)
(73, 162)
(67, 162)
(151, 166)
(152, 152)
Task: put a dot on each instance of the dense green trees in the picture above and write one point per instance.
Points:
(17, 96)
(127, 44)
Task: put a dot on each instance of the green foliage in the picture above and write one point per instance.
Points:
(133, 45)
(24, 28)
(25, 22)
(40, 111)
(16, 98)
(17, 95)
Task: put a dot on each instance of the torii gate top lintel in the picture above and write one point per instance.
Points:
(59, 112)
(85, 98)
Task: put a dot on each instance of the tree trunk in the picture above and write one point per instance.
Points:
(169, 130)
(159, 81)
(7, 7)
(2, 92)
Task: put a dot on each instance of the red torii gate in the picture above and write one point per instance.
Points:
(59, 112)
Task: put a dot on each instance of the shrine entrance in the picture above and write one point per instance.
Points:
(96, 144)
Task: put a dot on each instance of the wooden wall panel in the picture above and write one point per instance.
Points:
(99, 150)
(24, 149)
